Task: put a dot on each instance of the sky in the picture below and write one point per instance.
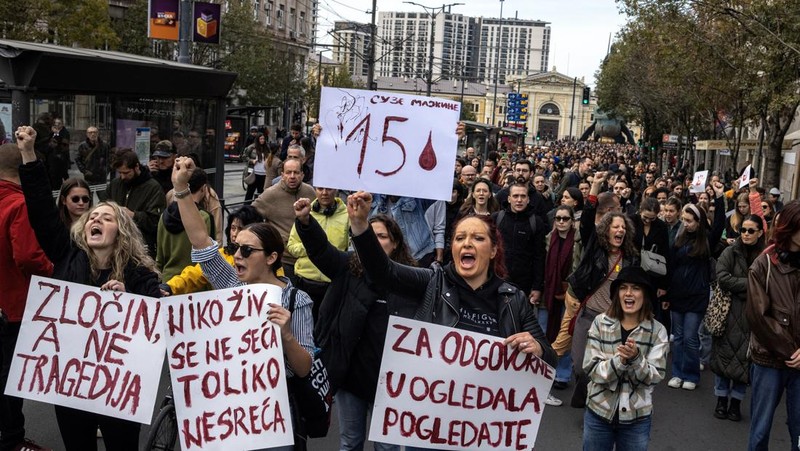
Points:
(580, 28)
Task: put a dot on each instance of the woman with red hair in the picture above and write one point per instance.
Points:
(468, 293)
(773, 313)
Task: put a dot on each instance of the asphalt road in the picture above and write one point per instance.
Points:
(682, 420)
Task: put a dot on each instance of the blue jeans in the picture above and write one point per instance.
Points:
(564, 367)
(705, 344)
(725, 387)
(541, 315)
(768, 387)
(352, 412)
(599, 435)
(686, 346)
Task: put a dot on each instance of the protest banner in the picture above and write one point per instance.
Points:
(699, 182)
(446, 388)
(98, 351)
(744, 179)
(387, 143)
(227, 370)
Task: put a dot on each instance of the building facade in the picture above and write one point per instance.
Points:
(463, 46)
(351, 41)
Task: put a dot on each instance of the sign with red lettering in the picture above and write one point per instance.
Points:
(387, 143)
(447, 388)
(92, 350)
(226, 364)
(699, 182)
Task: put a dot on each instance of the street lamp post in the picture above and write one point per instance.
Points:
(497, 62)
(432, 12)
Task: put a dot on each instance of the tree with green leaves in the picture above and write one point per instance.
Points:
(679, 64)
(336, 77)
(85, 23)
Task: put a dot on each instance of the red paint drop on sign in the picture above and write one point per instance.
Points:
(427, 159)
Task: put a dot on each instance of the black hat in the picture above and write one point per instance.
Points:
(164, 149)
(635, 275)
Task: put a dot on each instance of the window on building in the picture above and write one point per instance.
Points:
(292, 19)
(279, 17)
(268, 7)
(549, 109)
(302, 23)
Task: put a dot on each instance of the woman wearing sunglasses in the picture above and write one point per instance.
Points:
(74, 199)
(191, 279)
(563, 254)
(103, 248)
(729, 360)
(256, 260)
(773, 314)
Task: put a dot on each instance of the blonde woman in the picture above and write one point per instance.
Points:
(103, 248)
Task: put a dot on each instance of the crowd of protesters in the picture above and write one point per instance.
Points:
(607, 260)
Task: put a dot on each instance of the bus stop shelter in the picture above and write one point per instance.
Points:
(126, 91)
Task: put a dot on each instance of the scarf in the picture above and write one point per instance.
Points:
(557, 268)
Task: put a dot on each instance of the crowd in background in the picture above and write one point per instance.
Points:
(608, 261)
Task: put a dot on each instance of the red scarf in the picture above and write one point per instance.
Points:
(557, 268)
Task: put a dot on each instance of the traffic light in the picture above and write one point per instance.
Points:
(538, 136)
(586, 92)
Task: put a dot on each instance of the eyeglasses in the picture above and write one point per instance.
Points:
(77, 199)
(245, 249)
(749, 231)
(562, 218)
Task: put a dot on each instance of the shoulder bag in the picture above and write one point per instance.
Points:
(717, 312)
(655, 265)
(312, 392)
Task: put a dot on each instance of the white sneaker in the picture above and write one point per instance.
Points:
(553, 401)
(675, 382)
(688, 385)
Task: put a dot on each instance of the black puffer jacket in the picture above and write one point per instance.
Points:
(70, 263)
(341, 331)
(440, 301)
(729, 352)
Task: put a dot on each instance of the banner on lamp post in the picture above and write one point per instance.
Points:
(163, 19)
(206, 20)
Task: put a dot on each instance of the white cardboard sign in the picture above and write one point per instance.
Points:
(744, 180)
(387, 143)
(699, 182)
(227, 369)
(446, 388)
(92, 350)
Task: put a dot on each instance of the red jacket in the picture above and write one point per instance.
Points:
(20, 254)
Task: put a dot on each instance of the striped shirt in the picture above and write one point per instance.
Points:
(222, 275)
(624, 389)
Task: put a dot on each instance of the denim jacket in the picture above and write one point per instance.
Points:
(409, 212)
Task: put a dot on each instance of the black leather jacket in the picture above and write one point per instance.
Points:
(439, 295)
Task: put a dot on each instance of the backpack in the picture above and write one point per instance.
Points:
(312, 393)
(531, 219)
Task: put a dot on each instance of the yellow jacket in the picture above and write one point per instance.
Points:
(192, 280)
(335, 226)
